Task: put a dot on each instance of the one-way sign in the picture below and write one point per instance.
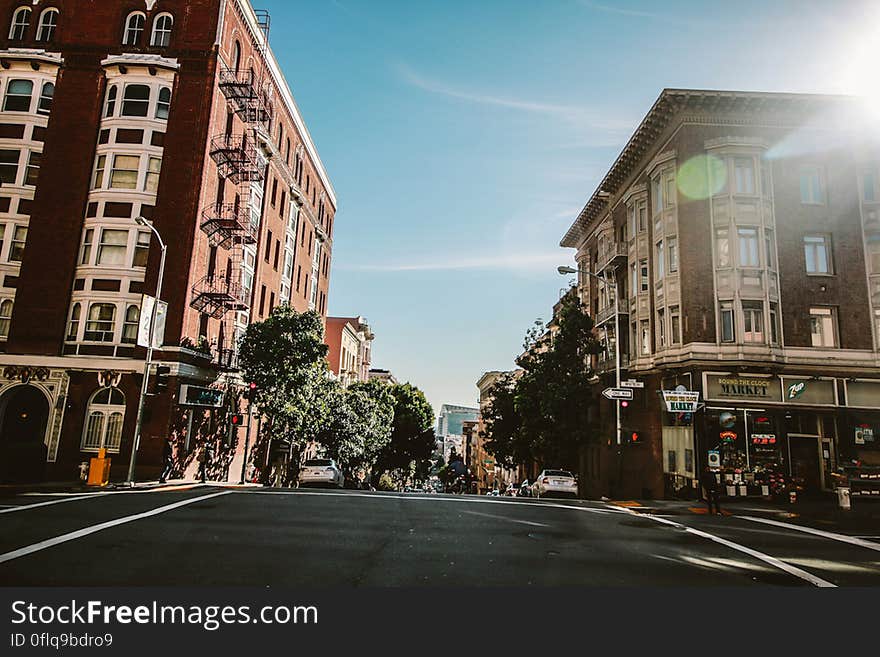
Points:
(618, 393)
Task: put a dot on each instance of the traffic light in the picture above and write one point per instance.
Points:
(162, 374)
(251, 393)
(236, 419)
(635, 437)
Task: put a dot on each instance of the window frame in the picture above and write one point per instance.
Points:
(747, 236)
(44, 25)
(89, 322)
(137, 31)
(8, 95)
(18, 30)
(831, 313)
(813, 244)
(754, 324)
(808, 192)
(165, 40)
(6, 319)
(106, 412)
(136, 102)
(726, 308)
(112, 247)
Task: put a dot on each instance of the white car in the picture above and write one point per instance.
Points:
(555, 482)
(323, 472)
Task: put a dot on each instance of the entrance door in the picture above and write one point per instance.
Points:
(806, 462)
(24, 414)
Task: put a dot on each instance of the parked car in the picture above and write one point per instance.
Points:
(555, 482)
(323, 472)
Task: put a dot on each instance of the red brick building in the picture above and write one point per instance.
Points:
(742, 235)
(172, 110)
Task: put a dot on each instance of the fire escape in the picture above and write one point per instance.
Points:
(231, 226)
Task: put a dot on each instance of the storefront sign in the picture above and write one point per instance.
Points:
(199, 396)
(795, 390)
(728, 436)
(714, 459)
(821, 392)
(681, 401)
(744, 388)
(864, 435)
(763, 439)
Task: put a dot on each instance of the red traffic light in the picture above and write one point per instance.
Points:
(253, 386)
(635, 436)
(624, 404)
(236, 419)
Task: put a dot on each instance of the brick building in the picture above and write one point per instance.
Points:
(171, 110)
(742, 233)
(350, 343)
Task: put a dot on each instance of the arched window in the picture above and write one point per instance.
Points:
(102, 323)
(162, 25)
(134, 27)
(236, 57)
(46, 96)
(73, 326)
(48, 23)
(18, 96)
(5, 317)
(130, 326)
(136, 101)
(110, 105)
(21, 21)
(163, 106)
(103, 423)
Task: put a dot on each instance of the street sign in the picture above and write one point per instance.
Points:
(618, 393)
(632, 384)
(199, 396)
(147, 305)
(683, 401)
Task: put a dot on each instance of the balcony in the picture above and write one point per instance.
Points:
(243, 92)
(616, 255)
(216, 295)
(228, 224)
(237, 158)
(606, 314)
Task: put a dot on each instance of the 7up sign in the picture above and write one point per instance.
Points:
(795, 390)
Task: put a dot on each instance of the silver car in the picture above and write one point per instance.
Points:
(555, 482)
(322, 472)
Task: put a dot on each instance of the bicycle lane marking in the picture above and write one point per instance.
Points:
(87, 531)
(766, 558)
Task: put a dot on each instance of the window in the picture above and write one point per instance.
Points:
(645, 329)
(141, 250)
(770, 249)
(670, 191)
(817, 252)
(110, 105)
(823, 327)
(634, 279)
(21, 21)
(134, 27)
(675, 323)
(98, 182)
(753, 321)
(672, 248)
(722, 247)
(48, 23)
(130, 325)
(19, 239)
(162, 26)
(748, 247)
(9, 166)
(744, 175)
(774, 325)
(657, 188)
(18, 96)
(33, 169)
(154, 168)
(112, 248)
(877, 323)
(85, 253)
(136, 101)
(124, 174)
(104, 417)
(47, 94)
(870, 191)
(874, 253)
(812, 187)
(2, 236)
(101, 323)
(728, 334)
(660, 260)
(5, 317)
(163, 107)
(73, 325)
(661, 329)
(643, 265)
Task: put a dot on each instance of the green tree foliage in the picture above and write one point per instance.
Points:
(412, 432)
(503, 432)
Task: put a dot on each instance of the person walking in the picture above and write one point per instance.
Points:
(167, 459)
(710, 490)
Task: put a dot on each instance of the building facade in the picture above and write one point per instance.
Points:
(350, 343)
(382, 375)
(740, 233)
(450, 434)
(177, 112)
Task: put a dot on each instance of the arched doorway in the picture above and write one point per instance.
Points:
(24, 414)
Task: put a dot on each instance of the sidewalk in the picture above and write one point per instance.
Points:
(73, 487)
(824, 513)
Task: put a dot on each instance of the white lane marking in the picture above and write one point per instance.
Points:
(431, 498)
(492, 515)
(80, 533)
(843, 538)
(766, 558)
(25, 507)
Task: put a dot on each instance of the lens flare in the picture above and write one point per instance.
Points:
(702, 176)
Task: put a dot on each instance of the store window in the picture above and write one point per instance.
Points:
(104, 418)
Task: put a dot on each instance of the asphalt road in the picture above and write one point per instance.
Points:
(269, 537)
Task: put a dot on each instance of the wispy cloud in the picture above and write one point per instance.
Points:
(636, 13)
(500, 262)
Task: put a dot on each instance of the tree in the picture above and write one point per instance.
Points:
(412, 432)
(503, 433)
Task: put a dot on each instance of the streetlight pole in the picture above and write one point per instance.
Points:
(149, 359)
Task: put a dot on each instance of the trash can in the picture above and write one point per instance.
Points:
(844, 498)
(99, 469)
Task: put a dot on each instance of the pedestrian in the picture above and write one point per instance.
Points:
(710, 489)
(167, 459)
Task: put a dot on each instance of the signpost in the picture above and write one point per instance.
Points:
(632, 384)
(618, 394)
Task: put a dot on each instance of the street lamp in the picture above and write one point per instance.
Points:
(565, 271)
(141, 221)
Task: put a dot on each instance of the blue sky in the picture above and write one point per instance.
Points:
(463, 137)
